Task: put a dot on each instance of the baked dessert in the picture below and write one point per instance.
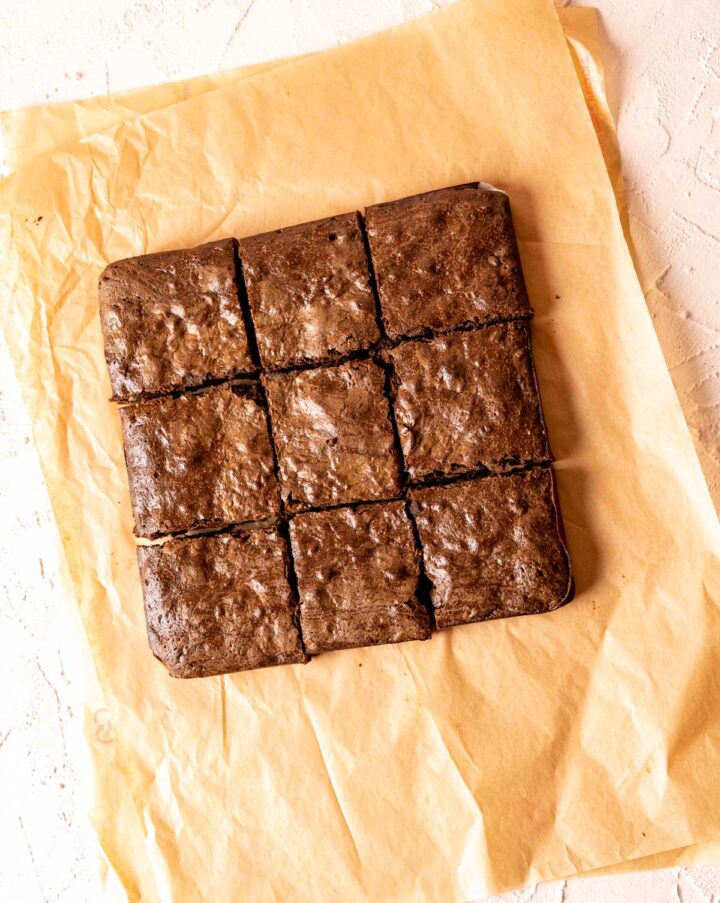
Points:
(308, 287)
(173, 320)
(201, 460)
(493, 547)
(357, 574)
(382, 465)
(332, 432)
(468, 401)
(223, 603)
(445, 259)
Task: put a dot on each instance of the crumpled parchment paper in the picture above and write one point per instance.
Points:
(499, 753)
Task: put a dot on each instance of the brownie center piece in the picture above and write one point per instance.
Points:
(333, 435)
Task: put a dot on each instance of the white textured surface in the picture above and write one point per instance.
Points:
(663, 66)
(662, 60)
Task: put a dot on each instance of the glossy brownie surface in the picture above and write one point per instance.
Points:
(200, 460)
(444, 259)
(357, 572)
(308, 287)
(493, 547)
(468, 401)
(220, 603)
(173, 320)
(341, 424)
(333, 435)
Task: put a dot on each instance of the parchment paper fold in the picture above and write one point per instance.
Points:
(499, 753)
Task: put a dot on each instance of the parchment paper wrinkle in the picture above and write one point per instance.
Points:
(499, 753)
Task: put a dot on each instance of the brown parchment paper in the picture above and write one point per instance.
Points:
(495, 754)
(31, 131)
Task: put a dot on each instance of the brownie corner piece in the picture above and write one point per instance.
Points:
(201, 460)
(218, 604)
(468, 401)
(493, 547)
(173, 320)
(333, 435)
(308, 288)
(444, 259)
(357, 572)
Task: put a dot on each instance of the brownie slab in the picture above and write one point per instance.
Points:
(444, 259)
(199, 460)
(357, 571)
(173, 320)
(492, 547)
(333, 435)
(308, 287)
(468, 401)
(219, 603)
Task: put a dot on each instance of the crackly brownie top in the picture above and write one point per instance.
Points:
(199, 460)
(444, 259)
(467, 401)
(333, 435)
(172, 320)
(357, 572)
(492, 547)
(220, 603)
(309, 291)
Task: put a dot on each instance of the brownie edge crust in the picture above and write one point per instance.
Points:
(220, 603)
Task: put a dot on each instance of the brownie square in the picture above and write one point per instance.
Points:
(467, 401)
(309, 292)
(357, 572)
(333, 435)
(219, 603)
(493, 547)
(445, 259)
(200, 460)
(173, 320)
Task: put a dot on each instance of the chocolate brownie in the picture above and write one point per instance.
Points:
(309, 291)
(219, 603)
(445, 259)
(493, 547)
(357, 571)
(333, 435)
(173, 320)
(200, 460)
(467, 401)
